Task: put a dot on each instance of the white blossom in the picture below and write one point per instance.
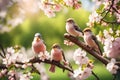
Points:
(94, 17)
(82, 74)
(117, 32)
(13, 57)
(86, 73)
(72, 3)
(77, 72)
(112, 48)
(26, 76)
(80, 57)
(44, 55)
(111, 67)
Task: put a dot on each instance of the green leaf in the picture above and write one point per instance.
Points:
(100, 9)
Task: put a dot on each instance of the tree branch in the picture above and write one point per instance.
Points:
(110, 22)
(2, 66)
(37, 60)
(115, 10)
(86, 48)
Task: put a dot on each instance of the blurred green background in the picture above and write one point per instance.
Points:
(52, 30)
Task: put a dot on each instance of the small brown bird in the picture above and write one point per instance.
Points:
(72, 28)
(56, 55)
(91, 40)
(38, 44)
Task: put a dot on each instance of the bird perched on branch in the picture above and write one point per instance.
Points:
(72, 28)
(91, 40)
(38, 44)
(57, 55)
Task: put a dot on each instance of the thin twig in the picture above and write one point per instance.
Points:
(34, 69)
(1, 55)
(97, 78)
(108, 9)
(115, 10)
(110, 22)
(2, 50)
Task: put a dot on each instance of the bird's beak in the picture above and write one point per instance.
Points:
(38, 39)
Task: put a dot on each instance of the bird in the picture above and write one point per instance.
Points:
(57, 55)
(91, 40)
(72, 28)
(38, 44)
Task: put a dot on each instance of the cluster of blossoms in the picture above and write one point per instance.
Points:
(15, 75)
(72, 3)
(114, 7)
(24, 8)
(111, 67)
(14, 58)
(68, 43)
(85, 66)
(44, 55)
(103, 8)
(111, 48)
(94, 17)
(111, 44)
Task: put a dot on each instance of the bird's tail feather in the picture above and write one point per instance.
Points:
(52, 68)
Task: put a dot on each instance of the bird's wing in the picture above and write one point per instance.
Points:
(63, 55)
(96, 41)
(77, 28)
(43, 42)
(65, 60)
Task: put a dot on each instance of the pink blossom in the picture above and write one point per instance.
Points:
(77, 72)
(26, 76)
(42, 5)
(72, 3)
(69, 2)
(80, 57)
(106, 4)
(77, 6)
(112, 48)
(68, 43)
(3, 13)
(57, 7)
(3, 71)
(94, 17)
(50, 13)
(111, 67)
(117, 32)
(44, 55)
(86, 73)
(82, 74)
(100, 38)
(115, 50)
(81, 60)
